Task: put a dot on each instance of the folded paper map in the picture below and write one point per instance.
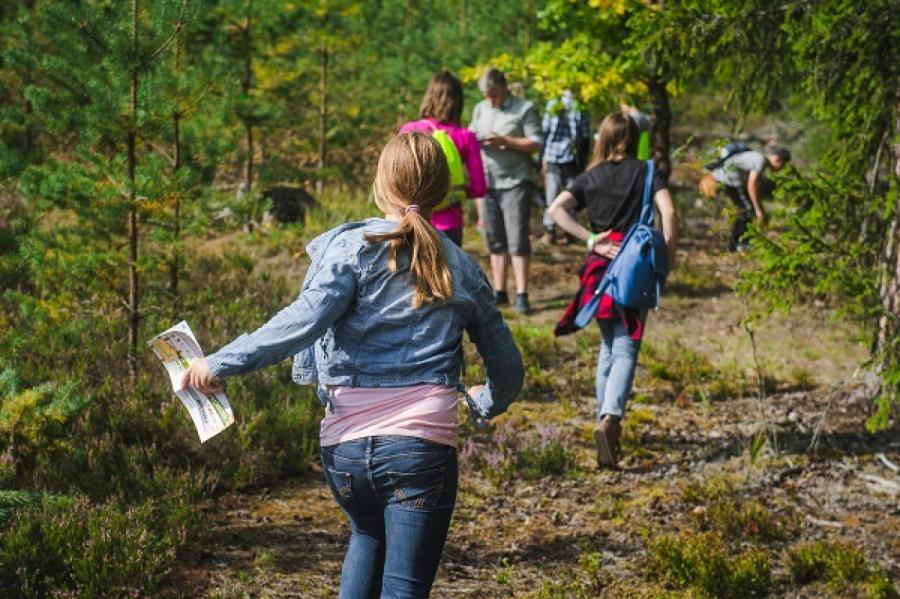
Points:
(177, 348)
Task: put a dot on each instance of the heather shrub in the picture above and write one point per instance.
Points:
(513, 453)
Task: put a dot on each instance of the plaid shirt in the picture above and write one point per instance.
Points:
(589, 278)
(567, 132)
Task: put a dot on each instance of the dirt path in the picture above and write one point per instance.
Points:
(690, 442)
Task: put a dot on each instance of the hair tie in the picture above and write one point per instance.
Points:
(411, 208)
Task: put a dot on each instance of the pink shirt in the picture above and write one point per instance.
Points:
(470, 152)
(423, 411)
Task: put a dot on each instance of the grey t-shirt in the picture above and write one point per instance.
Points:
(735, 170)
(516, 117)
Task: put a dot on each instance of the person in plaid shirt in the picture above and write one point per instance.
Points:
(567, 140)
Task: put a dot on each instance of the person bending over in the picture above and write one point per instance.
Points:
(741, 175)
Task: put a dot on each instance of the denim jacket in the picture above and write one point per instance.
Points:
(353, 324)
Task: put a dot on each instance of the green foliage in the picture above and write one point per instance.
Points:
(11, 500)
(336, 207)
(710, 489)
(739, 520)
(691, 374)
(757, 444)
(541, 355)
(703, 564)
(725, 512)
(597, 49)
(79, 549)
(841, 565)
(35, 413)
(838, 219)
(583, 582)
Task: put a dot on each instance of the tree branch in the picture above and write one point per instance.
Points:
(179, 25)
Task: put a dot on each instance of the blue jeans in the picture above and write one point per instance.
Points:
(399, 493)
(615, 367)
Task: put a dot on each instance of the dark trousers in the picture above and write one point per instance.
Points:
(741, 200)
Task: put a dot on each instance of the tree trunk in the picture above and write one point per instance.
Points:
(246, 85)
(133, 282)
(889, 323)
(529, 24)
(176, 165)
(888, 346)
(323, 117)
(463, 17)
(660, 122)
(29, 130)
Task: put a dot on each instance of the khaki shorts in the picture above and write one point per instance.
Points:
(506, 220)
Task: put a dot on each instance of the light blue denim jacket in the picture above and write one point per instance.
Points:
(353, 324)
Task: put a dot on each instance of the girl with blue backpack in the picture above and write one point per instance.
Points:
(378, 327)
(617, 194)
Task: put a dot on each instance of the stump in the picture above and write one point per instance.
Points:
(289, 204)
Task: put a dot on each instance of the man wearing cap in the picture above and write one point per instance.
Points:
(740, 173)
(509, 130)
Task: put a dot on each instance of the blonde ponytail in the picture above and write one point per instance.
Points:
(412, 179)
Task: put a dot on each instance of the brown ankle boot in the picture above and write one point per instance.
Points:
(606, 439)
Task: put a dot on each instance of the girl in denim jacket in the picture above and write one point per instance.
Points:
(378, 327)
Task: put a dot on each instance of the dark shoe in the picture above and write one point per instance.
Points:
(522, 306)
(606, 439)
(501, 298)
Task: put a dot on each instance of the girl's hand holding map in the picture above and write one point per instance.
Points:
(199, 377)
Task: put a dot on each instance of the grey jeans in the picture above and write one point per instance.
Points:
(557, 179)
(615, 366)
(506, 215)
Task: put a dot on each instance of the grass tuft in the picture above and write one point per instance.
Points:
(703, 564)
(842, 566)
(690, 374)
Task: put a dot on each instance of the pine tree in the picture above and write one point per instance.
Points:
(842, 218)
(85, 63)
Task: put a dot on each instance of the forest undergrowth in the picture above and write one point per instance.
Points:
(739, 479)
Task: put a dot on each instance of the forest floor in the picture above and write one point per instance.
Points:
(694, 465)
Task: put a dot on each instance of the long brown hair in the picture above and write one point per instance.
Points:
(618, 136)
(443, 99)
(412, 179)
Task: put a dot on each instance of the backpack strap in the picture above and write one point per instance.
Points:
(646, 202)
(715, 164)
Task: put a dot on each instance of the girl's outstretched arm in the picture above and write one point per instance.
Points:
(329, 289)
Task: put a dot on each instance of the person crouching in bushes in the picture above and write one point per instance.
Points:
(378, 326)
(612, 191)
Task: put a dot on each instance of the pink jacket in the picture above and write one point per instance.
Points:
(470, 152)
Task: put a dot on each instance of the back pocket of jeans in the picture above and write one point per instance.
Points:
(341, 483)
(418, 490)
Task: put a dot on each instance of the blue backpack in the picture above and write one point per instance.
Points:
(636, 276)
